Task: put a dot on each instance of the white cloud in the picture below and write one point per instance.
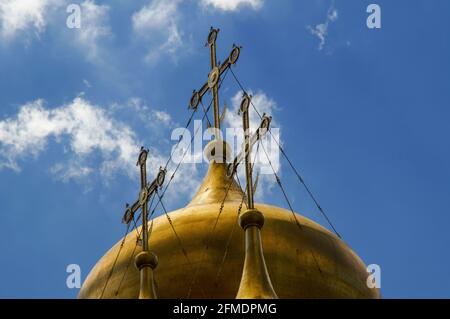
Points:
(162, 117)
(94, 27)
(152, 117)
(321, 30)
(87, 83)
(155, 15)
(93, 141)
(232, 5)
(18, 16)
(171, 46)
(88, 128)
(157, 23)
(70, 171)
(262, 102)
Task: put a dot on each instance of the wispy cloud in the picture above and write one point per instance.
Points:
(152, 117)
(262, 102)
(70, 171)
(155, 15)
(232, 5)
(321, 30)
(19, 16)
(94, 28)
(157, 23)
(88, 128)
(93, 140)
(21, 19)
(87, 83)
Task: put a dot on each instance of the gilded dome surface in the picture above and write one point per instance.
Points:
(206, 256)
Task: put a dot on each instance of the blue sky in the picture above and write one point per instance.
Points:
(364, 116)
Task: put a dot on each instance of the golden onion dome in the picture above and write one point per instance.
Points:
(200, 250)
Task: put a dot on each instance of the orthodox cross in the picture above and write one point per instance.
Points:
(145, 261)
(145, 193)
(214, 75)
(249, 141)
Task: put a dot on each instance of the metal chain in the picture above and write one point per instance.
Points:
(222, 205)
(138, 235)
(300, 227)
(299, 177)
(229, 240)
(160, 198)
(115, 261)
(185, 152)
(128, 266)
(178, 143)
(204, 110)
(281, 187)
(177, 237)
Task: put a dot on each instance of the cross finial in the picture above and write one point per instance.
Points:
(145, 259)
(214, 75)
(255, 280)
(249, 141)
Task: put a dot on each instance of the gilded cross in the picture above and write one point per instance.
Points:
(145, 261)
(214, 75)
(145, 193)
(249, 141)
